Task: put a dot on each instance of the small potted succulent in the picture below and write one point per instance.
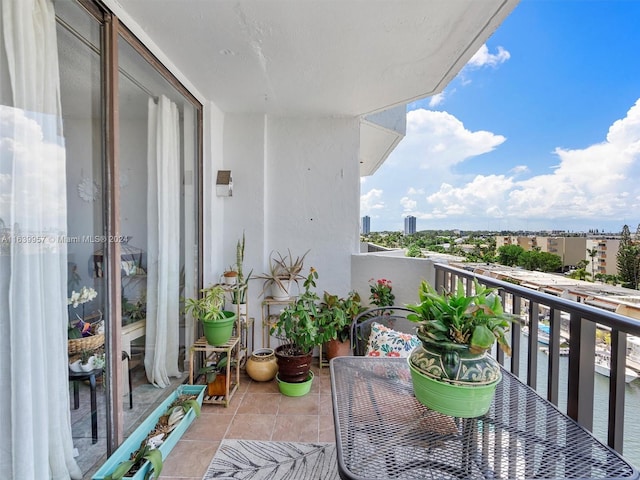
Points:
(217, 323)
(457, 331)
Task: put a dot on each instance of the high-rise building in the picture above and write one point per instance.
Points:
(409, 225)
(365, 226)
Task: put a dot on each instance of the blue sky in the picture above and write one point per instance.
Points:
(540, 131)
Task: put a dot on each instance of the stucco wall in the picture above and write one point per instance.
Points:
(295, 186)
(312, 194)
(405, 274)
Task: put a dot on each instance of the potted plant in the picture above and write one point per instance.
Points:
(381, 292)
(284, 270)
(452, 371)
(216, 322)
(216, 375)
(298, 326)
(239, 292)
(338, 315)
(87, 358)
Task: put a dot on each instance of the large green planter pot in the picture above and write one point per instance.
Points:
(218, 332)
(295, 389)
(450, 379)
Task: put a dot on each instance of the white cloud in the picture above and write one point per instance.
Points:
(440, 140)
(598, 181)
(371, 201)
(32, 171)
(483, 58)
(518, 169)
(408, 204)
(436, 100)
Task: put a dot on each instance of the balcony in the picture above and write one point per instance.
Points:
(260, 412)
(568, 382)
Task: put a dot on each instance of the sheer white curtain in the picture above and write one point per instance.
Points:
(35, 426)
(163, 244)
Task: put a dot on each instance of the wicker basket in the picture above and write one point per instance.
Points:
(92, 342)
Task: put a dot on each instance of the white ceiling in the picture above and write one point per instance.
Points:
(317, 57)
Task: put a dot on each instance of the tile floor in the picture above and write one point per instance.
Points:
(257, 412)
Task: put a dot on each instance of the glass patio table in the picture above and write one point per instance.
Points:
(383, 432)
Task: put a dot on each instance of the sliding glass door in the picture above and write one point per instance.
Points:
(130, 193)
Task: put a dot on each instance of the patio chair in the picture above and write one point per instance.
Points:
(394, 317)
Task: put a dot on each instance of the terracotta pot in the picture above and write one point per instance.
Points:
(262, 365)
(337, 348)
(218, 386)
(292, 368)
(230, 278)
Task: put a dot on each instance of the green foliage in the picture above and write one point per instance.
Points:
(509, 255)
(628, 259)
(337, 315)
(212, 371)
(299, 324)
(541, 261)
(144, 453)
(414, 251)
(381, 292)
(208, 307)
(239, 293)
(476, 320)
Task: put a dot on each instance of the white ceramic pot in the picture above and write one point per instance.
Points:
(87, 367)
(280, 293)
(75, 366)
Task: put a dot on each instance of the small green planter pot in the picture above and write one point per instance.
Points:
(295, 389)
(219, 332)
(464, 401)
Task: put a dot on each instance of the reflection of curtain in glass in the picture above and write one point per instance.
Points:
(163, 256)
(35, 425)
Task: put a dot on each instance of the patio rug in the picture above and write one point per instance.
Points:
(250, 459)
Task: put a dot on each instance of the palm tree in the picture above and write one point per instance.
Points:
(593, 253)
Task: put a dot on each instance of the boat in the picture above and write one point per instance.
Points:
(564, 351)
(543, 333)
(603, 367)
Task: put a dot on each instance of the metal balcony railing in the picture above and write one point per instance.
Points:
(526, 303)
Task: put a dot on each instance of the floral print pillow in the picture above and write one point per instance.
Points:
(385, 342)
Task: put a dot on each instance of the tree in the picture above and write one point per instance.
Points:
(628, 259)
(509, 255)
(593, 253)
(579, 274)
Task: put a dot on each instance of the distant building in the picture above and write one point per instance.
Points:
(365, 226)
(409, 225)
(571, 250)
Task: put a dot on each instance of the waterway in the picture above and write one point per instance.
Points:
(631, 447)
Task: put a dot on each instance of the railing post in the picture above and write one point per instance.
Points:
(615, 430)
(516, 330)
(581, 370)
(554, 357)
(532, 351)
